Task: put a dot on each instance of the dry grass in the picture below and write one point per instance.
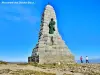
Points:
(67, 74)
(39, 65)
(3, 62)
(26, 63)
(74, 68)
(24, 72)
(50, 66)
(30, 72)
(5, 71)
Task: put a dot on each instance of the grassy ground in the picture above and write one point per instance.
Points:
(49, 69)
(24, 72)
(50, 65)
(3, 62)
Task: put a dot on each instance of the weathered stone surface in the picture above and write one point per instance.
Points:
(51, 50)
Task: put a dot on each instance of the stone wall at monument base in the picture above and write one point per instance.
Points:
(56, 59)
(52, 59)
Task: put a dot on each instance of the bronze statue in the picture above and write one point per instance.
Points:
(51, 26)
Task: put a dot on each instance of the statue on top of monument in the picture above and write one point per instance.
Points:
(51, 26)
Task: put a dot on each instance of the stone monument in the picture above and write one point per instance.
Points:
(50, 47)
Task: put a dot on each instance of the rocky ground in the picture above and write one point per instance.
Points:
(48, 69)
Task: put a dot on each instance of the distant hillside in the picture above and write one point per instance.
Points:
(13, 62)
(91, 61)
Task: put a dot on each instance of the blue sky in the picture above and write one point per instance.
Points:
(78, 24)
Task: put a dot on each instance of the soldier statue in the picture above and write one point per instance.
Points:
(51, 26)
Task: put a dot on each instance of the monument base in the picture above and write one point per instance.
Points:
(52, 59)
(33, 59)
